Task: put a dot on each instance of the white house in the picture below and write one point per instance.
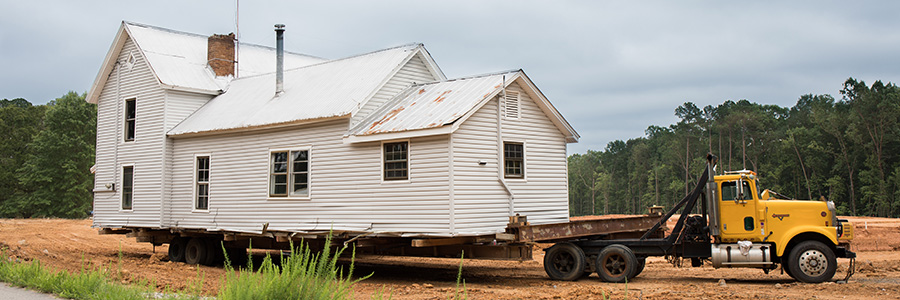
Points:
(380, 142)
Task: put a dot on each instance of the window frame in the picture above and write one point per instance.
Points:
(384, 162)
(197, 183)
(289, 173)
(523, 160)
(127, 120)
(122, 207)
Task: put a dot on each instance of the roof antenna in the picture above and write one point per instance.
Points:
(237, 40)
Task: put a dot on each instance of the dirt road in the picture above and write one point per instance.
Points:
(72, 245)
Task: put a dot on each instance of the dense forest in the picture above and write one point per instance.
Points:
(46, 155)
(845, 150)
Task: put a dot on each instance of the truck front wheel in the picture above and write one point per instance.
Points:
(616, 263)
(564, 261)
(812, 262)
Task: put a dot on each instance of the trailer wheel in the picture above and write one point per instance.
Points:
(213, 252)
(616, 263)
(564, 261)
(195, 252)
(812, 262)
(176, 249)
(641, 262)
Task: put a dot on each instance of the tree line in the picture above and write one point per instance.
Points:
(46, 155)
(844, 150)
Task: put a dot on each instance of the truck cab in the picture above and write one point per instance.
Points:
(805, 236)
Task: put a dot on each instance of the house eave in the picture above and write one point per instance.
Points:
(255, 128)
(353, 139)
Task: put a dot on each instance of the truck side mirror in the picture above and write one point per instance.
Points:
(739, 190)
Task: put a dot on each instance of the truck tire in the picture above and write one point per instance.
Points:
(176, 249)
(195, 252)
(616, 263)
(564, 261)
(812, 262)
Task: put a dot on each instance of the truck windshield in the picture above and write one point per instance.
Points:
(729, 193)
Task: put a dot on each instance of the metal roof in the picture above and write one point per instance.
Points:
(179, 59)
(330, 89)
(431, 105)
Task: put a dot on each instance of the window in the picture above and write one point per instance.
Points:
(396, 161)
(202, 183)
(127, 187)
(729, 193)
(511, 105)
(289, 174)
(513, 160)
(129, 119)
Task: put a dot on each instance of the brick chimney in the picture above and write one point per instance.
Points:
(220, 54)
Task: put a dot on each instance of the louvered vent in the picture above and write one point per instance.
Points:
(511, 105)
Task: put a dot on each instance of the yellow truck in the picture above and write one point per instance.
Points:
(738, 226)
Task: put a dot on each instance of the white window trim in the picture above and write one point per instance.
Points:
(408, 162)
(194, 184)
(524, 160)
(124, 123)
(309, 176)
(121, 187)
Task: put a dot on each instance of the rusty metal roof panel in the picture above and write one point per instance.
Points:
(329, 89)
(430, 105)
(179, 59)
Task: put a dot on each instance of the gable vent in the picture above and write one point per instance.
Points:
(511, 105)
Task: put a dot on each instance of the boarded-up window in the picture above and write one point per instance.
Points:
(289, 174)
(130, 117)
(127, 187)
(511, 105)
(396, 161)
(513, 160)
(202, 182)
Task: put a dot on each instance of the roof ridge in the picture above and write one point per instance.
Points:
(204, 36)
(469, 77)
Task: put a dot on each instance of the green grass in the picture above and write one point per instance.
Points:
(86, 284)
(301, 275)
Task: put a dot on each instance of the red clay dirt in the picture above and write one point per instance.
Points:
(72, 245)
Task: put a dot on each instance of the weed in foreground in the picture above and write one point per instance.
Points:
(301, 275)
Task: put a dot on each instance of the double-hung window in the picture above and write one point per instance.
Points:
(289, 173)
(513, 160)
(396, 161)
(201, 201)
(127, 187)
(130, 117)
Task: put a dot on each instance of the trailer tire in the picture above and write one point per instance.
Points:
(213, 252)
(176, 249)
(641, 262)
(616, 263)
(565, 261)
(812, 262)
(196, 251)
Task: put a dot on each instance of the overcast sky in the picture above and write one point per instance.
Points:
(611, 68)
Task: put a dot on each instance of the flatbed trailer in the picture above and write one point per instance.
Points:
(615, 248)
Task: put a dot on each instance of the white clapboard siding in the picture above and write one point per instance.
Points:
(145, 152)
(414, 71)
(346, 190)
(179, 105)
(481, 204)
(543, 195)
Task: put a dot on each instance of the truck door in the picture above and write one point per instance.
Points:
(737, 211)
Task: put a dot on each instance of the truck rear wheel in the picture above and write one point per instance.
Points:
(641, 262)
(564, 261)
(176, 249)
(812, 262)
(196, 251)
(616, 263)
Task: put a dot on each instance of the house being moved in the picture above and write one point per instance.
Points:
(192, 137)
